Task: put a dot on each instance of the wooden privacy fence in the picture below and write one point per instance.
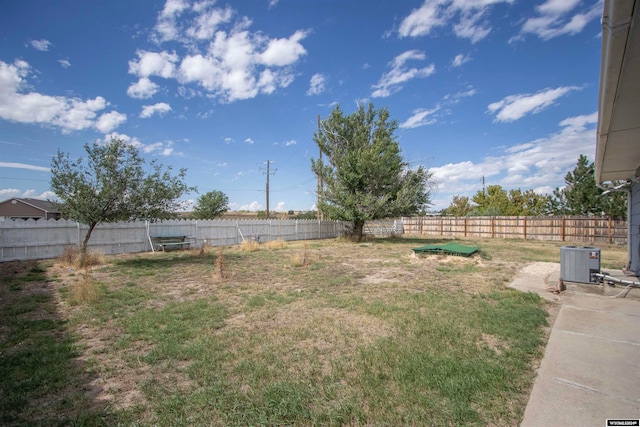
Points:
(554, 228)
(41, 239)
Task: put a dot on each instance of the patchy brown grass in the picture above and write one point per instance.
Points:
(305, 313)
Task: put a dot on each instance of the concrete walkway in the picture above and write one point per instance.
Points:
(590, 371)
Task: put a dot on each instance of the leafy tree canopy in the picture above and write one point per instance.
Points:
(497, 201)
(364, 174)
(211, 205)
(113, 185)
(460, 206)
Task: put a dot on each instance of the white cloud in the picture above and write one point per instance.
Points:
(456, 97)
(161, 148)
(556, 17)
(465, 16)
(316, 84)
(460, 59)
(514, 107)
(539, 164)
(420, 117)
(142, 89)
(23, 166)
(109, 121)
(208, 22)
(161, 108)
(391, 81)
(64, 63)
(231, 71)
(124, 138)
(8, 193)
(470, 27)
(42, 45)
(223, 57)
(290, 142)
(421, 21)
(280, 207)
(173, 8)
(252, 207)
(162, 64)
(249, 141)
(281, 52)
(166, 26)
(32, 107)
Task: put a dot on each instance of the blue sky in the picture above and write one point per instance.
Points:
(501, 89)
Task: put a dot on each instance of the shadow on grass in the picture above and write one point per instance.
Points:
(162, 260)
(411, 241)
(43, 381)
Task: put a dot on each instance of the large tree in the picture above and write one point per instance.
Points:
(362, 169)
(581, 195)
(211, 205)
(113, 185)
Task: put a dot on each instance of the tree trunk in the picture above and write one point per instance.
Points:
(357, 230)
(83, 247)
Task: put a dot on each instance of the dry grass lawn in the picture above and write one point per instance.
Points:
(296, 333)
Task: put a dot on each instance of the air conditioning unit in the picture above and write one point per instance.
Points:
(578, 263)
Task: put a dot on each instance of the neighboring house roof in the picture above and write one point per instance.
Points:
(617, 147)
(48, 209)
(40, 204)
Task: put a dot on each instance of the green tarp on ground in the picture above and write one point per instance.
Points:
(448, 249)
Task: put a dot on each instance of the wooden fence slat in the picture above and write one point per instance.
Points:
(559, 228)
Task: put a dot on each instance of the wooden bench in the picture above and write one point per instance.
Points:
(164, 242)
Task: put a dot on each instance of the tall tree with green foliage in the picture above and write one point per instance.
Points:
(581, 195)
(363, 172)
(114, 185)
(211, 205)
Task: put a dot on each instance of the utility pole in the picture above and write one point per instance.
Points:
(268, 162)
(320, 182)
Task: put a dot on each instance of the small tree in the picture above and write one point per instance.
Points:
(364, 174)
(113, 186)
(460, 206)
(211, 205)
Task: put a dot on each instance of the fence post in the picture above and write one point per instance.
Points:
(493, 227)
(525, 228)
(465, 226)
(609, 229)
(563, 224)
(441, 225)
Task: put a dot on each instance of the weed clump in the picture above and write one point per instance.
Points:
(84, 290)
(220, 270)
(73, 257)
(300, 259)
(249, 246)
(276, 244)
